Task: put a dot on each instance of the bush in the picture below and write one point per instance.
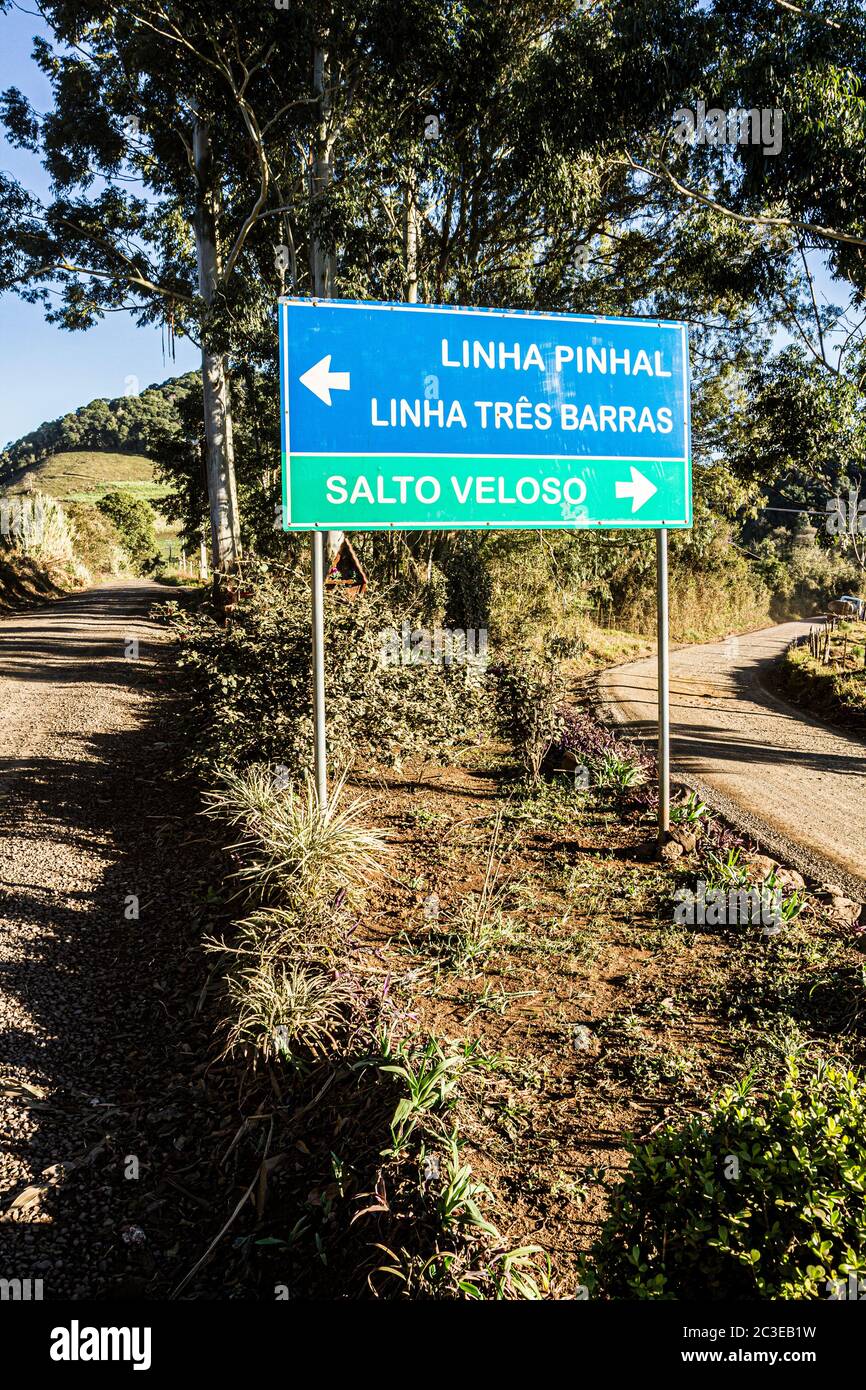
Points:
(529, 696)
(754, 1200)
(469, 591)
(97, 542)
(38, 536)
(249, 684)
(134, 521)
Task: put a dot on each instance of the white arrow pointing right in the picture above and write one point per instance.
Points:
(322, 381)
(640, 489)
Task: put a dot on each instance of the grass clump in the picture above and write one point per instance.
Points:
(292, 845)
(287, 987)
(289, 1010)
(470, 931)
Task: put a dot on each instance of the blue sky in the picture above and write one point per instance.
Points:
(45, 371)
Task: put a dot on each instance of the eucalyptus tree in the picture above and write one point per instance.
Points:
(769, 140)
(185, 143)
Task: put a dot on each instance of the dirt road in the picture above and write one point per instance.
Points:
(795, 783)
(99, 965)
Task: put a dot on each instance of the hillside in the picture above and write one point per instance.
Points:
(103, 446)
(85, 475)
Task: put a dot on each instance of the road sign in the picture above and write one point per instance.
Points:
(419, 417)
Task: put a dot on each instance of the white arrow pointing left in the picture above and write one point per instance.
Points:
(640, 489)
(322, 381)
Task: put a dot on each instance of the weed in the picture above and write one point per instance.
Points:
(617, 775)
(725, 873)
(690, 811)
(480, 920)
(430, 1079)
(457, 1204)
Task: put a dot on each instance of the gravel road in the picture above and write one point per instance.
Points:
(794, 783)
(101, 1094)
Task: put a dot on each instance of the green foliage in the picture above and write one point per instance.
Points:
(98, 544)
(615, 774)
(132, 518)
(757, 1199)
(249, 683)
(529, 697)
(690, 811)
(802, 573)
(430, 1079)
(470, 588)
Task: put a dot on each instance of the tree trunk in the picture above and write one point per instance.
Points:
(410, 239)
(221, 485)
(322, 262)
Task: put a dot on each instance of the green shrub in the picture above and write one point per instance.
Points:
(249, 684)
(757, 1199)
(529, 702)
(470, 591)
(97, 542)
(133, 518)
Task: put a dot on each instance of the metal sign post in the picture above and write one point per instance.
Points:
(318, 586)
(664, 673)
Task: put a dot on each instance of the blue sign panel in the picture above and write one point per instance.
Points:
(419, 417)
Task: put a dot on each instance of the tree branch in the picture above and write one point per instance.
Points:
(750, 219)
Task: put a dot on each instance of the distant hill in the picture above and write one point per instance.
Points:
(104, 446)
(124, 426)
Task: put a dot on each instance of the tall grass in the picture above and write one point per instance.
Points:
(285, 1010)
(288, 989)
(290, 844)
(36, 526)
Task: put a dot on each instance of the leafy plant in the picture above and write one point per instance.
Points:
(760, 1198)
(430, 1079)
(247, 684)
(725, 873)
(471, 1273)
(460, 1195)
(133, 519)
(529, 696)
(622, 768)
(616, 774)
(690, 811)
